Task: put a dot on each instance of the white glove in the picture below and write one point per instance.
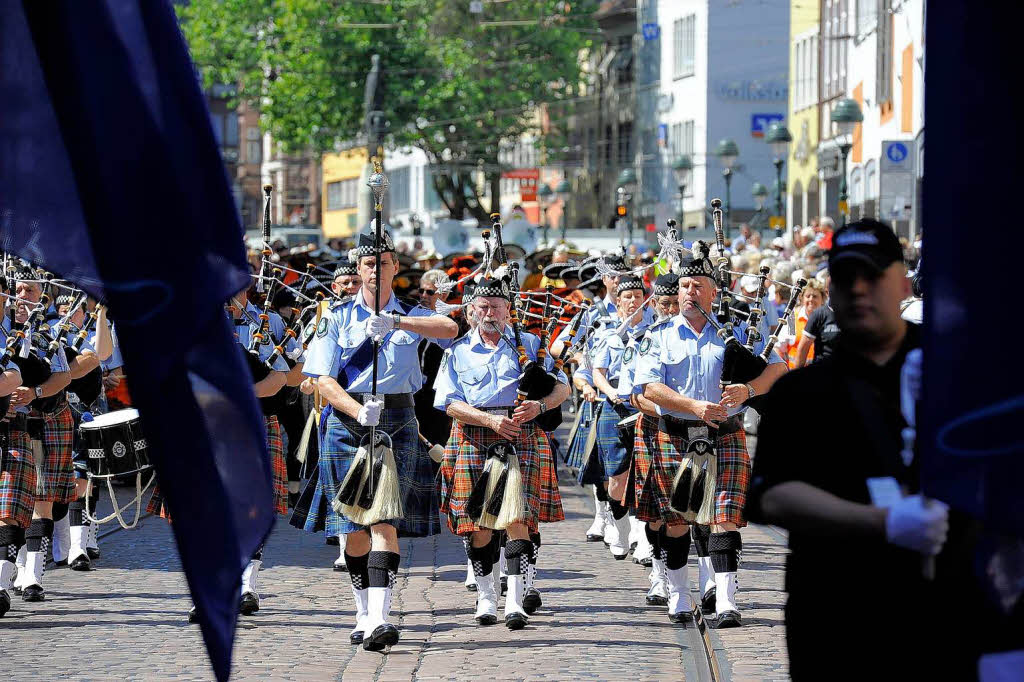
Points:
(918, 523)
(369, 413)
(294, 353)
(379, 325)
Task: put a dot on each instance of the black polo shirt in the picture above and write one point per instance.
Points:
(822, 327)
(833, 425)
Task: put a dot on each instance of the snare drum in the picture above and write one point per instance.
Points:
(115, 444)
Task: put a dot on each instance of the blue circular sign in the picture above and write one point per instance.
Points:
(896, 152)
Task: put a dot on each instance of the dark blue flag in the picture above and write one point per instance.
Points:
(110, 176)
(972, 403)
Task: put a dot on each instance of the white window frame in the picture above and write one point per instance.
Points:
(684, 46)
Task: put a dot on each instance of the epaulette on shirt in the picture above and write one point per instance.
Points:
(661, 324)
(337, 303)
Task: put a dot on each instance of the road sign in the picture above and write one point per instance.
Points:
(759, 123)
(651, 31)
(896, 180)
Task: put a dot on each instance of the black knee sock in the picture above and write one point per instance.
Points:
(618, 510)
(11, 540)
(653, 537)
(60, 510)
(700, 539)
(357, 570)
(677, 551)
(258, 554)
(93, 501)
(482, 559)
(515, 552)
(535, 550)
(497, 542)
(76, 513)
(602, 494)
(37, 537)
(725, 551)
(382, 568)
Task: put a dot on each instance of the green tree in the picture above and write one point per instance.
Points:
(460, 86)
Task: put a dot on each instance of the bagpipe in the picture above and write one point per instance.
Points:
(370, 492)
(693, 487)
(89, 387)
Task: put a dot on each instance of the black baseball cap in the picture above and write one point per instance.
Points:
(868, 241)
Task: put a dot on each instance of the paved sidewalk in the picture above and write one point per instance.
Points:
(126, 619)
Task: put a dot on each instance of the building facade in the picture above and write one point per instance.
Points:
(723, 74)
(802, 120)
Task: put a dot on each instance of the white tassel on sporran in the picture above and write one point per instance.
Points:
(370, 492)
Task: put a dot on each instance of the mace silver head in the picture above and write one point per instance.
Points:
(378, 182)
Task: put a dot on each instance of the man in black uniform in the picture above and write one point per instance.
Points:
(858, 530)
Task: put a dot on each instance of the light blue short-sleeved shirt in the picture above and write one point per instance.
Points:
(686, 361)
(611, 354)
(482, 376)
(340, 333)
(245, 329)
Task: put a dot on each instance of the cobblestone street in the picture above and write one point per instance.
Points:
(125, 620)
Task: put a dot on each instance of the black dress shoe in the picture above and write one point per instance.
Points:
(193, 615)
(516, 621)
(15, 589)
(595, 538)
(471, 587)
(5, 602)
(620, 558)
(33, 593)
(341, 568)
(81, 563)
(62, 562)
(707, 602)
(728, 619)
(656, 600)
(248, 604)
(93, 552)
(382, 636)
(356, 637)
(504, 585)
(682, 617)
(487, 619)
(532, 601)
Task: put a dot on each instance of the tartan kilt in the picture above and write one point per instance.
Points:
(731, 484)
(275, 443)
(574, 448)
(58, 467)
(18, 480)
(614, 458)
(463, 463)
(550, 498)
(341, 435)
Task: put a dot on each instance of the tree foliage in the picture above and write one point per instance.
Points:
(454, 86)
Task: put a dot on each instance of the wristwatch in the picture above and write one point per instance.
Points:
(398, 319)
(543, 406)
(750, 391)
(39, 391)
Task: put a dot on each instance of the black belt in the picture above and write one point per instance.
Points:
(18, 422)
(391, 400)
(674, 426)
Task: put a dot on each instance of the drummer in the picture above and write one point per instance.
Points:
(477, 387)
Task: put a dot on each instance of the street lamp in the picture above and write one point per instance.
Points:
(682, 169)
(627, 186)
(779, 137)
(564, 189)
(846, 115)
(544, 195)
(727, 152)
(760, 193)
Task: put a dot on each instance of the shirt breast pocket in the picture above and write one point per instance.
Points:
(473, 377)
(508, 368)
(403, 338)
(678, 363)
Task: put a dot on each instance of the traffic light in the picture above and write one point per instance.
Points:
(620, 210)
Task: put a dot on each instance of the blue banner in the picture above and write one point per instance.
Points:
(970, 435)
(110, 177)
